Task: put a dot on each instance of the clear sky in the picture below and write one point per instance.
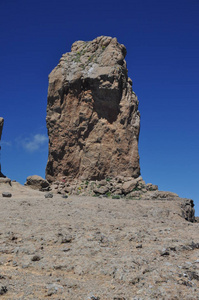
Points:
(162, 41)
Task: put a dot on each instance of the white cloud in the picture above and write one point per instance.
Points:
(35, 143)
(5, 143)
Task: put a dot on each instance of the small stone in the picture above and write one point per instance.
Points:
(164, 252)
(53, 289)
(139, 246)
(6, 194)
(94, 298)
(66, 239)
(3, 290)
(49, 195)
(36, 258)
(65, 196)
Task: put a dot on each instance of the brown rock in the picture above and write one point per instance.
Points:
(5, 180)
(1, 129)
(188, 211)
(92, 114)
(151, 187)
(133, 185)
(101, 190)
(1, 126)
(37, 183)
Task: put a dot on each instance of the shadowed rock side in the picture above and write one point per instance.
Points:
(92, 114)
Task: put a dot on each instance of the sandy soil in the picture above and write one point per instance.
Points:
(95, 248)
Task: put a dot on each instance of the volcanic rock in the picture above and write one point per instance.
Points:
(1, 126)
(7, 194)
(37, 183)
(1, 129)
(92, 114)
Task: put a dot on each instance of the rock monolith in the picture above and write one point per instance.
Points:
(1, 126)
(1, 129)
(92, 119)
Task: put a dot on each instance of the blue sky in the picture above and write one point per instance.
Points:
(162, 41)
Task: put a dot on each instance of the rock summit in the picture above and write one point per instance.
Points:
(92, 119)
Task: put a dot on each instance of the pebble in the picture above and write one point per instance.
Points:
(36, 258)
(6, 194)
(65, 196)
(3, 290)
(49, 195)
(53, 289)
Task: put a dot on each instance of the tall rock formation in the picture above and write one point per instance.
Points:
(1, 126)
(92, 119)
(1, 129)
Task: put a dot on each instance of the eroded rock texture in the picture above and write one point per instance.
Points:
(92, 114)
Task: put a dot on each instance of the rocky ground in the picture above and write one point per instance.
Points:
(84, 247)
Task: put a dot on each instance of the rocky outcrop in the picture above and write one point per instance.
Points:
(92, 114)
(188, 211)
(1, 129)
(1, 126)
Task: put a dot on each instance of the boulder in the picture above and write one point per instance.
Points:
(129, 186)
(5, 180)
(92, 118)
(37, 183)
(101, 190)
(151, 187)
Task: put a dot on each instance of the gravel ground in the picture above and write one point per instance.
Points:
(95, 248)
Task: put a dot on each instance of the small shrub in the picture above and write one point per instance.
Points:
(108, 194)
(96, 195)
(108, 179)
(115, 197)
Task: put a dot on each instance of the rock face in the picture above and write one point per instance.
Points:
(92, 114)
